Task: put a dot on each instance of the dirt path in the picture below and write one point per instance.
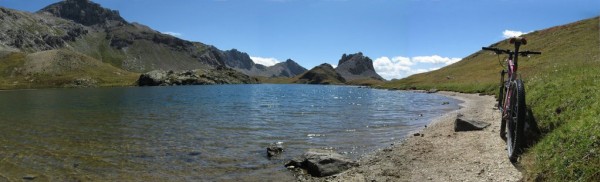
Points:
(442, 154)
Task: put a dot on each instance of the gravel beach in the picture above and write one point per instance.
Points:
(438, 153)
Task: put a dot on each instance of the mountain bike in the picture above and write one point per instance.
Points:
(511, 98)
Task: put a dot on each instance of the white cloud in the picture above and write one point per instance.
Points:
(433, 69)
(435, 59)
(264, 61)
(512, 33)
(392, 68)
(173, 34)
(400, 67)
(403, 61)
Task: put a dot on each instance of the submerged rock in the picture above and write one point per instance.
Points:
(274, 150)
(320, 163)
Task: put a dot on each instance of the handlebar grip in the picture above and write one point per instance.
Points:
(533, 52)
(489, 48)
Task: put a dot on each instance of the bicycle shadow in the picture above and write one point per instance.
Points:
(532, 135)
(532, 131)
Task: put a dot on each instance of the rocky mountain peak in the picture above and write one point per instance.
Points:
(357, 66)
(84, 12)
(346, 58)
(294, 68)
(236, 59)
(322, 74)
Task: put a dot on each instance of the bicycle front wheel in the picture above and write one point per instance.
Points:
(516, 120)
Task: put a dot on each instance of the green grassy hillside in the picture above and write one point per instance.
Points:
(58, 68)
(562, 90)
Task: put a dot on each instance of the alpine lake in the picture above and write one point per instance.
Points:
(198, 133)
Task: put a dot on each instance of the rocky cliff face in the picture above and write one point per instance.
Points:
(21, 31)
(236, 59)
(83, 12)
(322, 74)
(356, 66)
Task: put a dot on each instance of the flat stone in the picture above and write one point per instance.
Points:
(29, 177)
(194, 153)
(462, 124)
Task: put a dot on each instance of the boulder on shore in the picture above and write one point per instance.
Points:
(321, 163)
(462, 124)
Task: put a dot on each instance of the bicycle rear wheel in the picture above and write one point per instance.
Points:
(516, 120)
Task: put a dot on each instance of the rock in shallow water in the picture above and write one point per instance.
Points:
(320, 163)
(274, 150)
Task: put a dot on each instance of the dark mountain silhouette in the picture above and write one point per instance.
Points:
(322, 74)
(356, 66)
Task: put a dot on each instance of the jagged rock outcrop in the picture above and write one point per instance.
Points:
(236, 59)
(356, 67)
(220, 75)
(322, 74)
(83, 11)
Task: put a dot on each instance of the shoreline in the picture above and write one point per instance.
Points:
(439, 153)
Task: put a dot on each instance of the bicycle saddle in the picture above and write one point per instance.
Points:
(519, 40)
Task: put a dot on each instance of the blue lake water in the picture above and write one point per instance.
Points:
(216, 132)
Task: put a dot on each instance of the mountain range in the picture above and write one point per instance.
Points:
(83, 28)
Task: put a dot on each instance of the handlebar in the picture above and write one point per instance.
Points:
(508, 51)
(525, 53)
(498, 51)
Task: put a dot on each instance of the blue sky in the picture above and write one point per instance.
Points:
(403, 37)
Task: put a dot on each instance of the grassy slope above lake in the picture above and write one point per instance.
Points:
(561, 88)
(58, 68)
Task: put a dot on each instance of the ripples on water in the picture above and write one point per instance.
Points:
(197, 132)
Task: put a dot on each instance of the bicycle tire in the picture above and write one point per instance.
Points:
(516, 121)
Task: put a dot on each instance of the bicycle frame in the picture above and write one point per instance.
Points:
(512, 75)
